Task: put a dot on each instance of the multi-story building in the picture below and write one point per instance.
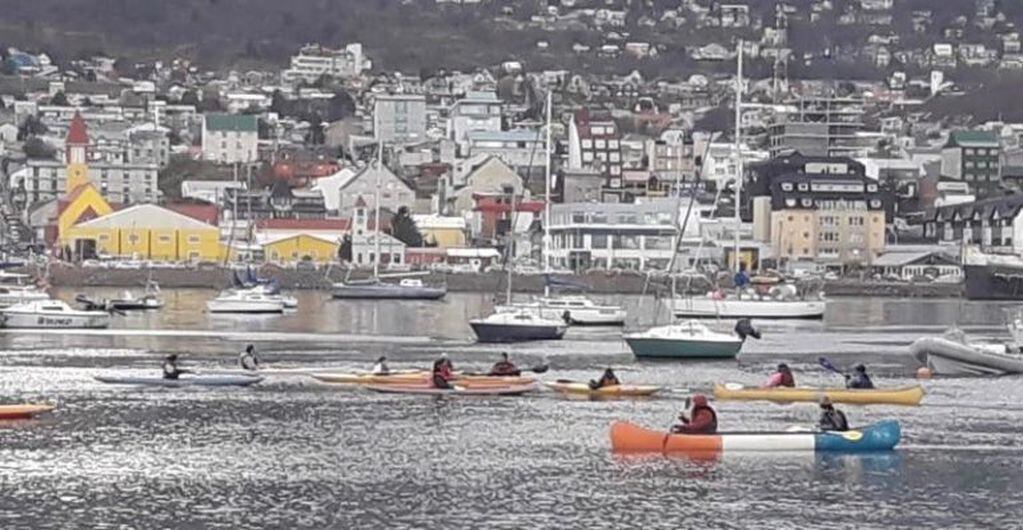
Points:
(995, 225)
(819, 126)
(594, 142)
(973, 157)
(477, 111)
(671, 160)
(399, 118)
(230, 138)
(613, 236)
(833, 219)
(522, 149)
(314, 60)
(118, 182)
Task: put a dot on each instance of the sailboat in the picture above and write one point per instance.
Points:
(573, 309)
(520, 322)
(777, 302)
(375, 288)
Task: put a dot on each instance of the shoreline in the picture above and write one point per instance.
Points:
(598, 283)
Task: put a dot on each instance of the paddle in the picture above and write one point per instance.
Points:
(826, 364)
(538, 369)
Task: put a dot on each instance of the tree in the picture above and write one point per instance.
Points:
(189, 97)
(32, 126)
(404, 228)
(344, 251)
(316, 136)
(36, 148)
(60, 99)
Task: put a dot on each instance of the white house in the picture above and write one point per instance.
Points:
(230, 138)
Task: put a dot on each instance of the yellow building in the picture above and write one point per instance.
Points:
(441, 231)
(300, 247)
(149, 232)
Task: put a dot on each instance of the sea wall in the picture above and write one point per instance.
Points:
(602, 283)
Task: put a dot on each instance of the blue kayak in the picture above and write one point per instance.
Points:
(184, 380)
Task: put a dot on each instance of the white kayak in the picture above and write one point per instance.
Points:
(184, 380)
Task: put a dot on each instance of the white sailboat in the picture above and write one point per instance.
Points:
(17, 288)
(52, 314)
(780, 302)
(573, 309)
(245, 301)
(376, 288)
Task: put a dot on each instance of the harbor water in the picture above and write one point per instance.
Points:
(294, 453)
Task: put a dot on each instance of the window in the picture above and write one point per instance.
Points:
(165, 239)
(968, 152)
(630, 242)
(871, 188)
(804, 186)
(612, 144)
(133, 238)
(588, 156)
(193, 240)
(598, 241)
(587, 143)
(600, 144)
(791, 203)
(806, 202)
(786, 186)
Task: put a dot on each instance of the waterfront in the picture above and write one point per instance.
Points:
(293, 453)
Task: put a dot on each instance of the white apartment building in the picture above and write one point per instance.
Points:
(314, 60)
(230, 138)
(477, 111)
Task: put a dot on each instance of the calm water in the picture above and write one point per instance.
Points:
(292, 453)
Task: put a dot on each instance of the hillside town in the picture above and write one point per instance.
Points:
(333, 159)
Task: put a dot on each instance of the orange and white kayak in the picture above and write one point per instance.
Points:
(577, 388)
(22, 412)
(473, 381)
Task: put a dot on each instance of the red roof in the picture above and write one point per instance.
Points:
(303, 224)
(76, 133)
(207, 213)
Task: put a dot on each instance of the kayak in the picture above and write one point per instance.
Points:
(629, 438)
(420, 378)
(22, 412)
(184, 380)
(909, 396)
(507, 390)
(569, 387)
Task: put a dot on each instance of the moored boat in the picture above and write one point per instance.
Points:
(573, 309)
(880, 436)
(583, 389)
(517, 326)
(715, 305)
(377, 289)
(946, 356)
(19, 288)
(458, 390)
(244, 301)
(23, 411)
(51, 314)
(419, 377)
(684, 340)
(908, 396)
(183, 380)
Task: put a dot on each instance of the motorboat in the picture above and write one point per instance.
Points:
(273, 292)
(129, 302)
(52, 314)
(249, 281)
(573, 309)
(245, 301)
(684, 340)
(517, 326)
(953, 354)
(16, 288)
(378, 289)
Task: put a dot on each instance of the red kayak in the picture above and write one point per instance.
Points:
(510, 390)
(22, 412)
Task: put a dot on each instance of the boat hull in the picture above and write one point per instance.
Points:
(253, 307)
(948, 357)
(759, 309)
(654, 348)
(488, 332)
(629, 438)
(41, 321)
(907, 396)
(583, 389)
(988, 282)
(22, 412)
(576, 316)
(387, 292)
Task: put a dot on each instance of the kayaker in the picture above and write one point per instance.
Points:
(443, 373)
(248, 359)
(608, 379)
(380, 368)
(832, 419)
(170, 367)
(701, 420)
(505, 368)
(782, 377)
(859, 379)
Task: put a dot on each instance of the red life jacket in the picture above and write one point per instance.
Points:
(787, 379)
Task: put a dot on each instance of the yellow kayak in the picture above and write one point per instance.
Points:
(909, 396)
(569, 387)
(470, 381)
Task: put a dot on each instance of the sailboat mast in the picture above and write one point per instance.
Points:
(738, 153)
(376, 223)
(547, 201)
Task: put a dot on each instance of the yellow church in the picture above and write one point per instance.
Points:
(87, 225)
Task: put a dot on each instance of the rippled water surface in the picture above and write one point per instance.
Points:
(293, 453)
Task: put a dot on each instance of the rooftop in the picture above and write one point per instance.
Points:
(231, 122)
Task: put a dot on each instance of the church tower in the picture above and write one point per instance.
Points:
(76, 154)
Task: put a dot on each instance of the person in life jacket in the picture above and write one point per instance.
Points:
(701, 420)
(859, 379)
(504, 367)
(170, 367)
(782, 377)
(248, 359)
(832, 419)
(381, 368)
(443, 372)
(608, 379)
